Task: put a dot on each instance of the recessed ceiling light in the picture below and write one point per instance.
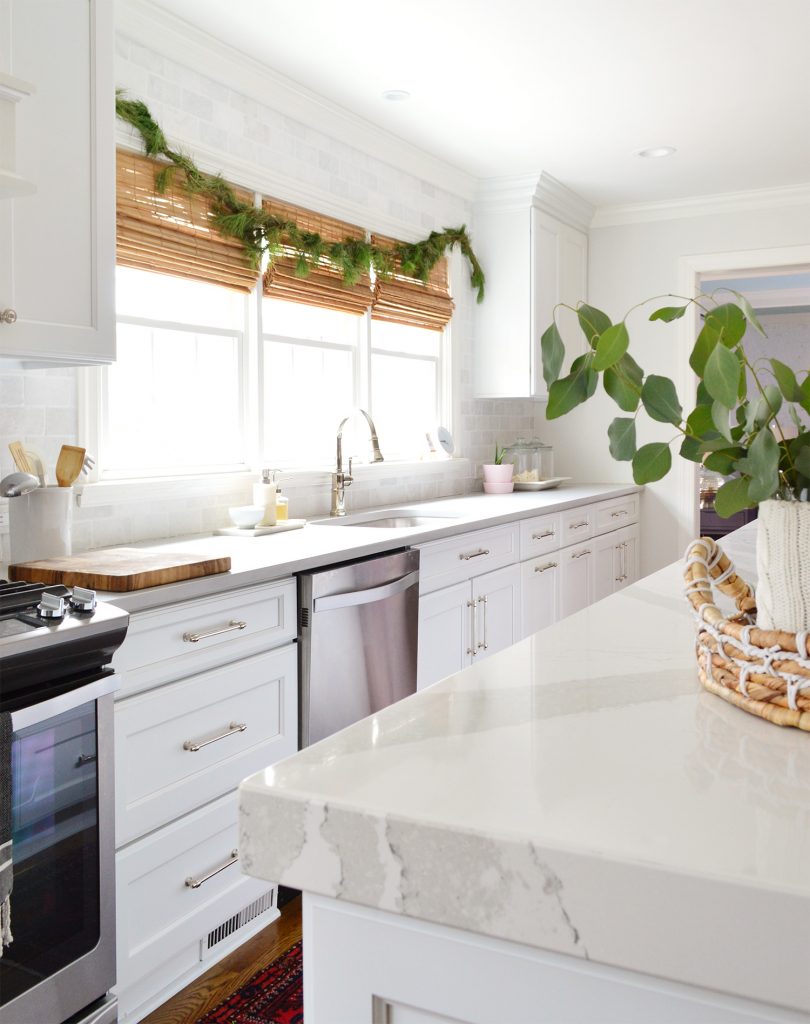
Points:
(396, 95)
(655, 152)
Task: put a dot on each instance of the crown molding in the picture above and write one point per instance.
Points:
(702, 206)
(542, 191)
(165, 33)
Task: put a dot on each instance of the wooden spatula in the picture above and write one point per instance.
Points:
(20, 458)
(69, 464)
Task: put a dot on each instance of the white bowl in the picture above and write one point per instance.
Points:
(246, 516)
(491, 487)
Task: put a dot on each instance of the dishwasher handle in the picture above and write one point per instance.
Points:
(355, 597)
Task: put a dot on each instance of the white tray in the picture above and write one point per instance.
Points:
(541, 485)
(262, 531)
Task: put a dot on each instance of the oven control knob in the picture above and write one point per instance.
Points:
(83, 600)
(51, 607)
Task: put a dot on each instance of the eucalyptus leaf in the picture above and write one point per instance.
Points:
(722, 375)
(720, 419)
(786, 379)
(593, 322)
(803, 462)
(651, 462)
(622, 436)
(732, 498)
(691, 450)
(623, 383)
(568, 392)
(764, 408)
(748, 312)
(729, 322)
(723, 461)
(669, 313)
(611, 346)
(705, 344)
(660, 400)
(804, 390)
(553, 352)
(762, 466)
(700, 421)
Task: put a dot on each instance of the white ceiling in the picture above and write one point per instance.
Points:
(572, 87)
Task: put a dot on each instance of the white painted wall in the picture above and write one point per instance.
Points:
(629, 262)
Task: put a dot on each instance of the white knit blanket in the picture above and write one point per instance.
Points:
(783, 566)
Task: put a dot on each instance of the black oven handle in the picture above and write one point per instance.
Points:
(35, 714)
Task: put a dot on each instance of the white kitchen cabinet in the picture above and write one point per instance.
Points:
(540, 593)
(615, 561)
(531, 238)
(576, 578)
(209, 694)
(57, 245)
(467, 622)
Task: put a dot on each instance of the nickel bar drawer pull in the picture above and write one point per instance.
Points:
(581, 554)
(466, 556)
(622, 512)
(195, 883)
(546, 567)
(579, 525)
(483, 645)
(542, 536)
(233, 729)
(194, 638)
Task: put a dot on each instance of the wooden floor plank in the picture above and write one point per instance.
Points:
(232, 971)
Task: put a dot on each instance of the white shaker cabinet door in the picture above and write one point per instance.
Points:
(57, 245)
(496, 596)
(607, 564)
(576, 577)
(540, 583)
(445, 632)
(629, 556)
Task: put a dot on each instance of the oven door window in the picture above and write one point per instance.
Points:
(55, 898)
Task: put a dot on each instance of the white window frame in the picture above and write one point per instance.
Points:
(91, 400)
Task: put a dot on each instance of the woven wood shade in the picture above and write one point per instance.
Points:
(323, 286)
(407, 300)
(172, 232)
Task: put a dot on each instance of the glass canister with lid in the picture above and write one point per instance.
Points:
(533, 460)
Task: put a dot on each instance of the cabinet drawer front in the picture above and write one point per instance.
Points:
(452, 561)
(160, 918)
(617, 512)
(181, 745)
(577, 524)
(540, 534)
(168, 643)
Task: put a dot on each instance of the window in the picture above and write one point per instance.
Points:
(209, 379)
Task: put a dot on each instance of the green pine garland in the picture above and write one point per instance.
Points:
(261, 232)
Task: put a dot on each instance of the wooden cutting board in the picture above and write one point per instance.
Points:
(119, 569)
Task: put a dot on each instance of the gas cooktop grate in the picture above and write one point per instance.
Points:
(16, 597)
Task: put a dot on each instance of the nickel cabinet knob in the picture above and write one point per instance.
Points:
(8, 316)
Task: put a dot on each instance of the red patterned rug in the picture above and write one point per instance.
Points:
(274, 995)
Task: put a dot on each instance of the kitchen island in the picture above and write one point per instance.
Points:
(570, 831)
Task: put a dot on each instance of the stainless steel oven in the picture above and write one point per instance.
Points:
(60, 964)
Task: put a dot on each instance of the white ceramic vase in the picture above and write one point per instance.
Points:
(783, 566)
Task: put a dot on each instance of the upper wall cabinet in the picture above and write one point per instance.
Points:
(57, 243)
(531, 238)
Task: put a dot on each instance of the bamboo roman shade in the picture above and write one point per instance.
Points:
(407, 300)
(323, 286)
(172, 232)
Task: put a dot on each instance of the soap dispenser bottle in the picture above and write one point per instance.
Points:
(264, 494)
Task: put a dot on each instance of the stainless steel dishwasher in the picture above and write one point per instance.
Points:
(358, 633)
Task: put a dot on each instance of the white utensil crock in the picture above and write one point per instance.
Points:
(783, 566)
(39, 524)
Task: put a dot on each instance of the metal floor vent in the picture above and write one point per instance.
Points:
(233, 924)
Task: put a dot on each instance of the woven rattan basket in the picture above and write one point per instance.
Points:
(764, 672)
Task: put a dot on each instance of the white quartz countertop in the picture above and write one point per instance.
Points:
(578, 792)
(261, 559)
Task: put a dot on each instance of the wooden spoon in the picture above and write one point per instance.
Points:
(20, 458)
(69, 464)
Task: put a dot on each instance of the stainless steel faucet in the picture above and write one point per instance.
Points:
(341, 480)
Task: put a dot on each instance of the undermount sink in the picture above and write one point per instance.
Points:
(400, 522)
(390, 519)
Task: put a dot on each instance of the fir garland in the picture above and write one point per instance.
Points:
(262, 232)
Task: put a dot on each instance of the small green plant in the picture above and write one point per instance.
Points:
(729, 431)
(499, 454)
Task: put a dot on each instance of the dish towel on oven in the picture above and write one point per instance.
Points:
(6, 870)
